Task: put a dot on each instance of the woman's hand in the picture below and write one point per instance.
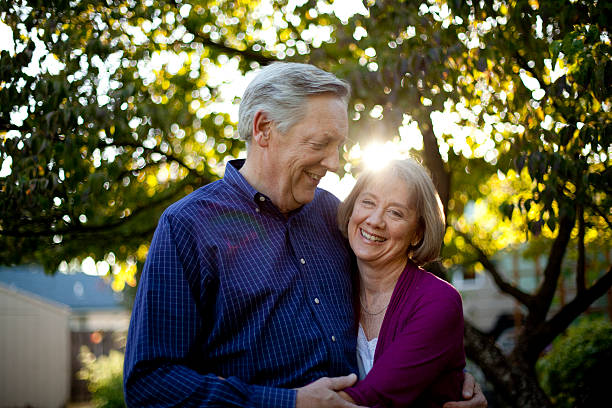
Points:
(474, 398)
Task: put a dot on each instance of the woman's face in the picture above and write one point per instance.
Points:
(384, 222)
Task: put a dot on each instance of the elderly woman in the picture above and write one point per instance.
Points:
(410, 341)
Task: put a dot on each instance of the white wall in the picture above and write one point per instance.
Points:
(483, 302)
(92, 320)
(34, 351)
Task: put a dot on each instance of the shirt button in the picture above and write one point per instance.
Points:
(317, 301)
(257, 210)
(333, 338)
(262, 198)
(303, 261)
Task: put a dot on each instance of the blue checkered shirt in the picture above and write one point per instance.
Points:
(237, 304)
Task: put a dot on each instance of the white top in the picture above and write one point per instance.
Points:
(365, 353)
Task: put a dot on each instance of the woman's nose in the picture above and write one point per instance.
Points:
(376, 218)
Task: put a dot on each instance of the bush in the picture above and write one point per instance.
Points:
(575, 372)
(104, 376)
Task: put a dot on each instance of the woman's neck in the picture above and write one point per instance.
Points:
(377, 285)
(377, 280)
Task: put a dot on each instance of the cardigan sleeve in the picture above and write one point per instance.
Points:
(426, 355)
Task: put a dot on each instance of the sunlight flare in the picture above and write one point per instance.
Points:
(377, 155)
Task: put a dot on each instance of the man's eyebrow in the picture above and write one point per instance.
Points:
(328, 136)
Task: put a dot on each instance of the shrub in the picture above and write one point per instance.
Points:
(575, 372)
(104, 376)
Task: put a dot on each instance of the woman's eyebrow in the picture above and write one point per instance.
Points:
(396, 204)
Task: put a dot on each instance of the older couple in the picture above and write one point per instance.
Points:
(247, 295)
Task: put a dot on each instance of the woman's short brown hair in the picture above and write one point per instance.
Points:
(428, 205)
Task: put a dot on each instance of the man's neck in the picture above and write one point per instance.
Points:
(257, 177)
(253, 175)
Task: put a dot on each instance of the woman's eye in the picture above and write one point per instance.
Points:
(396, 213)
(367, 202)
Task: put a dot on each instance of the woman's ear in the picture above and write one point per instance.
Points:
(262, 127)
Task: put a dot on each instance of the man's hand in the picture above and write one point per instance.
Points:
(474, 398)
(323, 393)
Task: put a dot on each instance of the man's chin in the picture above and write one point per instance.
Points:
(304, 197)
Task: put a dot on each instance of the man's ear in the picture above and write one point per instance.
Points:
(262, 126)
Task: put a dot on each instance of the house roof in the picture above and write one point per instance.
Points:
(77, 291)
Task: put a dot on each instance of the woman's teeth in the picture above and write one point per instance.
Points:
(371, 237)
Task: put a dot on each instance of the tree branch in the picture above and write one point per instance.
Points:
(544, 296)
(589, 202)
(5, 127)
(524, 65)
(601, 214)
(503, 285)
(156, 149)
(434, 162)
(581, 264)
(547, 332)
(93, 229)
(248, 54)
(507, 376)
(481, 348)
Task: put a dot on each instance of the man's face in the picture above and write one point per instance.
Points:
(302, 156)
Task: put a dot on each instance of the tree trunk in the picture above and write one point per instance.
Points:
(514, 380)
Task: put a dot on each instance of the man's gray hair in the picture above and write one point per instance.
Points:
(280, 90)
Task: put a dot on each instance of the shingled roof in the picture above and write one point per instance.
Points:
(78, 291)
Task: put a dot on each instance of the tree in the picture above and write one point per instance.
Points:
(527, 84)
(512, 99)
(117, 123)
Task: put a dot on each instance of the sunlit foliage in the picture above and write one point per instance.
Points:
(512, 99)
(110, 111)
(134, 105)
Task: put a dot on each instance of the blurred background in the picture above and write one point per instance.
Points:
(112, 110)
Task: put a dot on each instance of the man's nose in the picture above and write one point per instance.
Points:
(331, 160)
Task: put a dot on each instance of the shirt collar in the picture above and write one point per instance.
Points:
(236, 180)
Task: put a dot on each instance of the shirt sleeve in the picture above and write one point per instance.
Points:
(166, 328)
(428, 350)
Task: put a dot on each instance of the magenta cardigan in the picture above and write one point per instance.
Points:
(419, 357)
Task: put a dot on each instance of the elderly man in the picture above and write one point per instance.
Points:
(245, 295)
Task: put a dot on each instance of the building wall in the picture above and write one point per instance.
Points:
(34, 351)
(116, 320)
(483, 302)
